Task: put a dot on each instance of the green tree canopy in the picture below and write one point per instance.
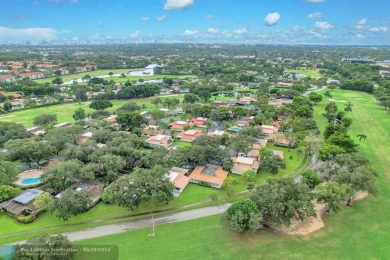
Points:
(280, 200)
(242, 216)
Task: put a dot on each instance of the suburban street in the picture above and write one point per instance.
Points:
(143, 223)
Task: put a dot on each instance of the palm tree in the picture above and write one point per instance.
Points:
(327, 94)
(348, 107)
(362, 137)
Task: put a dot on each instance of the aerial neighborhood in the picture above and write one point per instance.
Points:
(181, 127)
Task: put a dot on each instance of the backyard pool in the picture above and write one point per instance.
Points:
(30, 181)
(234, 129)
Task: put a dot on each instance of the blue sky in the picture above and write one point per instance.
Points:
(214, 21)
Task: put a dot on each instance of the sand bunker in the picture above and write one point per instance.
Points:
(359, 195)
(335, 100)
(307, 226)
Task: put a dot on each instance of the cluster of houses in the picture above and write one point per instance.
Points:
(16, 70)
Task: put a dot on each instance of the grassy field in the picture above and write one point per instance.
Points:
(64, 112)
(313, 73)
(358, 232)
(157, 76)
(82, 74)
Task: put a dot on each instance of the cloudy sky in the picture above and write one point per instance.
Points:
(214, 21)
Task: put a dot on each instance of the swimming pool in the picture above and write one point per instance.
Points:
(31, 181)
(234, 129)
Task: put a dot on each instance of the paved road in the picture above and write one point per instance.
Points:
(143, 223)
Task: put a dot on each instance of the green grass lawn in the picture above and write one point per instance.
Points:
(181, 144)
(64, 112)
(358, 232)
(157, 76)
(313, 73)
(70, 77)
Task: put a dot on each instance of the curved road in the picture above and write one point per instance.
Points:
(143, 223)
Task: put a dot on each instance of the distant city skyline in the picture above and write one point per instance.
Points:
(196, 21)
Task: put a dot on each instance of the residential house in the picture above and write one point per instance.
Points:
(180, 125)
(22, 205)
(243, 164)
(384, 73)
(259, 143)
(283, 85)
(190, 135)
(284, 117)
(215, 133)
(93, 187)
(111, 119)
(159, 140)
(209, 175)
(268, 129)
(278, 153)
(333, 81)
(281, 140)
(166, 91)
(152, 130)
(219, 103)
(7, 78)
(64, 124)
(32, 75)
(84, 137)
(199, 121)
(179, 179)
(36, 130)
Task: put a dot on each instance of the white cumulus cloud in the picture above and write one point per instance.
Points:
(177, 4)
(209, 16)
(190, 32)
(362, 23)
(315, 1)
(379, 29)
(74, 1)
(272, 18)
(27, 34)
(161, 18)
(212, 30)
(135, 34)
(360, 36)
(240, 31)
(145, 19)
(323, 25)
(314, 15)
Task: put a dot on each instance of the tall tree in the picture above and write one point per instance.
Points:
(142, 186)
(242, 216)
(72, 203)
(29, 151)
(61, 175)
(281, 200)
(100, 104)
(331, 194)
(45, 119)
(79, 114)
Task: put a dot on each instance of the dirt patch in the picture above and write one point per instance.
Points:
(306, 226)
(359, 195)
(335, 100)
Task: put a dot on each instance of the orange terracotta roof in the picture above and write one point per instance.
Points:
(218, 177)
